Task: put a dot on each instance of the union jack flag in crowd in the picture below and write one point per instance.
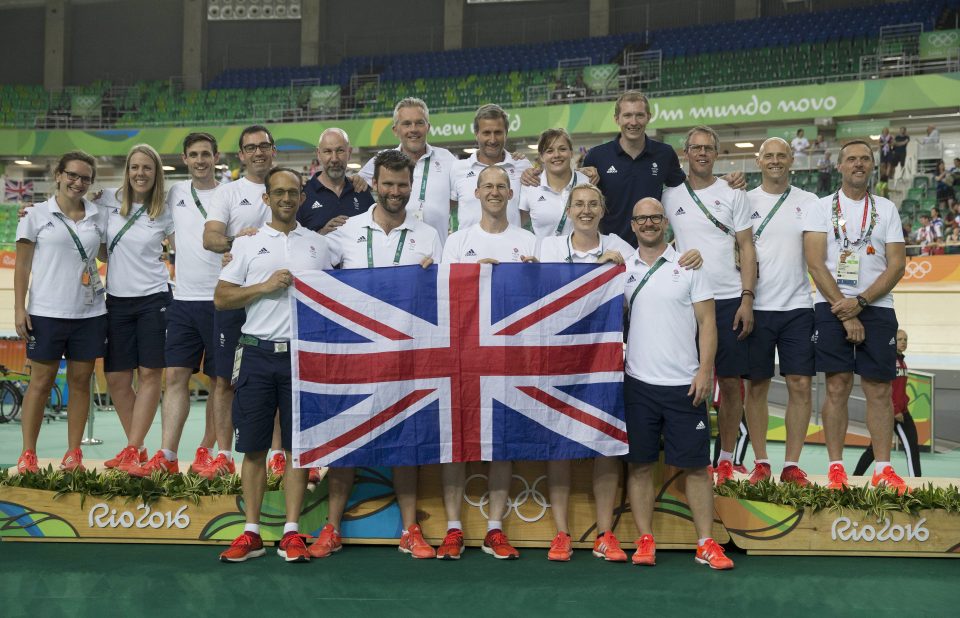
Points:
(461, 362)
(17, 190)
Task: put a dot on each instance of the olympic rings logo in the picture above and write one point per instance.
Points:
(513, 504)
(942, 39)
(917, 270)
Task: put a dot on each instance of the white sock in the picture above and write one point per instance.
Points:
(494, 524)
(726, 456)
(291, 526)
(761, 461)
(168, 454)
(836, 462)
(700, 542)
(254, 528)
(880, 467)
(227, 454)
(454, 524)
(795, 464)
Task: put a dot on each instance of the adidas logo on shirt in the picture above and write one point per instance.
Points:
(245, 202)
(262, 251)
(542, 199)
(470, 174)
(317, 204)
(181, 204)
(470, 253)
(631, 279)
(611, 170)
(680, 211)
(701, 425)
(755, 215)
(362, 238)
(893, 341)
(116, 211)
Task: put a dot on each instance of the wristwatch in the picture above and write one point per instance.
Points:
(862, 301)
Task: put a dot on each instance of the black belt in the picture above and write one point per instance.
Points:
(277, 347)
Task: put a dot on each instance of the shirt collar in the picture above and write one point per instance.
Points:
(669, 255)
(507, 161)
(270, 231)
(408, 221)
(89, 208)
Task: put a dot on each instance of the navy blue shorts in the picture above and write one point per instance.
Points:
(81, 339)
(732, 358)
(263, 386)
(874, 359)
(652, 411)
(226, 336)
(190, 335)
(136, 332)
(791, 334)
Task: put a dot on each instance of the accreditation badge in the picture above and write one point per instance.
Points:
(237, 357)
(848, 268)
(92, 282)
(419, 213)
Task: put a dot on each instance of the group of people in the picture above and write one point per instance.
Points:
(731, 291)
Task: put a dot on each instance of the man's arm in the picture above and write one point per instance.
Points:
(748, 282)
(846, 308)
(815, 250)
(215, 237)
(234, 296)
(702, 386)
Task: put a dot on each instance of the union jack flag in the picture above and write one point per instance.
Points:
(17, 190)
(461, 362)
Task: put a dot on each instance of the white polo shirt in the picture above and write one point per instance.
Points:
(694, 231)
(662, 342)
(257, 257)
(197, 269)
(783, 284)
(239, 205)
(472, 244)
(887, 230)
(419, 241)
(434, 208)
(463, 186)
(134, 268)
(560, 249)
(546, 206)
(55, 287)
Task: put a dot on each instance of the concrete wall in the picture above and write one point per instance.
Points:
(21, 31)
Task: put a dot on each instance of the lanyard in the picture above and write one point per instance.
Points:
(570, 248)
(396, 257)
(563, 217)
(773, 211)
(720, 226)
(196, 200)
(840, 225)
(73, 235)
(126, 226)
(423, 181)
(660, 261)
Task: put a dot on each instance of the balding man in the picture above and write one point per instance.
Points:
(330, 198)
(782, 311)
(669, 376)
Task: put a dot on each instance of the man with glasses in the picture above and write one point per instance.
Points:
(431, 176)
(783, 309)
(331, 197)
(236, 209)
(258, 278)
(853, 243)
(709, 215)
(669, 376)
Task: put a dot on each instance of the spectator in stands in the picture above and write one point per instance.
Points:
(800, 144)
(825, 174)
(57, 246)
(937, 222)
(945, 182)
(900, 149)
(932, 137)
(887, 155)
(819, 145)
(953, 241)
(904, 426)
(926, 235)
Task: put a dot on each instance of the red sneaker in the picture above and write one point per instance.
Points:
(891, 479)
(129, 461)
(712, 555)
(761, 472)
(724, 471)
(742, 469)
(314, 476)
(560, 549)
(201, 460)
(837, 477)
(411, 542)
(220, 466)
(72, 461)
(292, 548)
(157, 462)
(452, 545)
(115, 462)
(277, 464)
(607, 546)
(497, 545)
(793, 474)
(327, 543)
(247, 545)
(646, 554)
(28, 462)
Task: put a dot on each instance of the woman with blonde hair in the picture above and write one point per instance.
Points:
(138, 294)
